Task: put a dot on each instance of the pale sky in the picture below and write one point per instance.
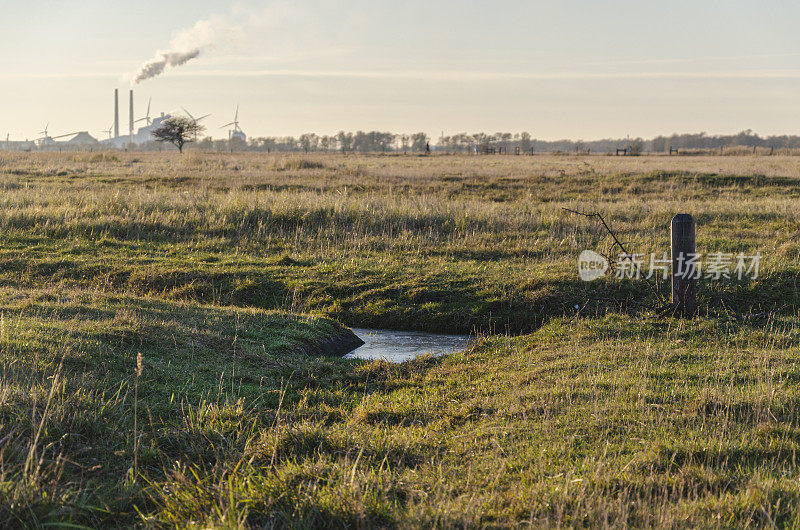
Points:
(575, 69)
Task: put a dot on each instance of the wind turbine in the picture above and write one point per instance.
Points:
(235, 124)
(109, 130)
(50, 140)
(195, 120)
(44, 132)
(147, 116)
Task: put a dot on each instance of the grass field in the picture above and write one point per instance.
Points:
(226, 274)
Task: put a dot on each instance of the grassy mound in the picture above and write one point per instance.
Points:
(93, 383)
(597, 422)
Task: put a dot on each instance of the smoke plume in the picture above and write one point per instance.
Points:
(183, 48)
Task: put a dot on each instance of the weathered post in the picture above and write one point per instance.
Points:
(684, 267)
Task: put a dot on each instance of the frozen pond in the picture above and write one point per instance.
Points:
(399, 346)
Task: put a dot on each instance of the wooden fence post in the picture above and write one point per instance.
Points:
(684, 268)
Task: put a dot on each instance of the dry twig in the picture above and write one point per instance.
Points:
(665, 306)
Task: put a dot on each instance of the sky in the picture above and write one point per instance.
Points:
(578, 69)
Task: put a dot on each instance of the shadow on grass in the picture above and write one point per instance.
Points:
(457, 301)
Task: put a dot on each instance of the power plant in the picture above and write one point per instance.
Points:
(134, 137)
(140, 137)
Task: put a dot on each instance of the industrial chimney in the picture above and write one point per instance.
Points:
(116, 113)
(130, 127)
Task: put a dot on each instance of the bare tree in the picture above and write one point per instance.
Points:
(178, 131)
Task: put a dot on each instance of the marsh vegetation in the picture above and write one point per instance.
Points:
(226, 272)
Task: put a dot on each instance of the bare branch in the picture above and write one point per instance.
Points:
(624, 251)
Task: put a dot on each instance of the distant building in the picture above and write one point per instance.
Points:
(17, 145)
(145, 134)
(82, 139)
(77, 141)
(142, 136)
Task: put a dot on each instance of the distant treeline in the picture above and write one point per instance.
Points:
(377, 142)
(386, 142)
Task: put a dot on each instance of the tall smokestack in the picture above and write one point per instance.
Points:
(116, 113)
(130, 127)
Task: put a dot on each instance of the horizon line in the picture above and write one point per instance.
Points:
(454, 75)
